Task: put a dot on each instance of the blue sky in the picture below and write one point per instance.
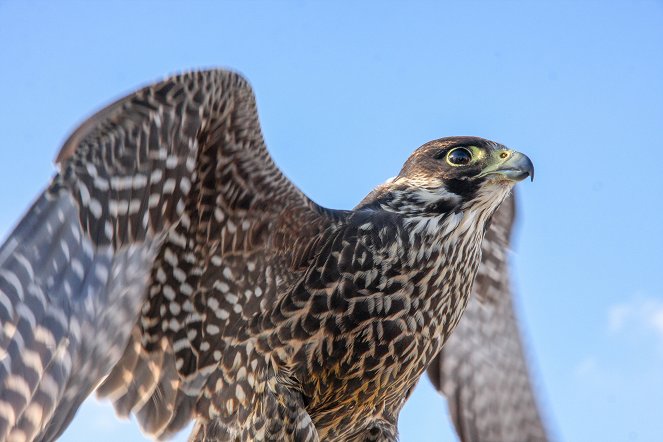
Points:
(346, 91)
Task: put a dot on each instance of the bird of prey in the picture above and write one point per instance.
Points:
(172, 267)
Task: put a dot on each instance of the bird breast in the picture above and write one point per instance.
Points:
(369, 315)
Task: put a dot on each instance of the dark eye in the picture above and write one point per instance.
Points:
(459, 157)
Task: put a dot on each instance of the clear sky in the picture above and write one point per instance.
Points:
(346, 90)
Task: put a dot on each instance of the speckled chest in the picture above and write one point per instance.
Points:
(373, 309)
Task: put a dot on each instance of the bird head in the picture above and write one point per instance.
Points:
(453, 174)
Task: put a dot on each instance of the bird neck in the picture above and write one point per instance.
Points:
(444, 251)
(439, 247)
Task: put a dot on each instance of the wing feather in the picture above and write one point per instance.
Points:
(482, 369)
(79, 269)
(60, 335)
(214, 272)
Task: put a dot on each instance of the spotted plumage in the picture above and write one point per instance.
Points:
(482, 368)
(170, 260)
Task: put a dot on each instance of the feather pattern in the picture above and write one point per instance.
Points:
(174, 268)
(482, 369)
(77, 269)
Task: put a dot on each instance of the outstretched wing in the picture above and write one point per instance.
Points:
(482, 369)
(76, 271)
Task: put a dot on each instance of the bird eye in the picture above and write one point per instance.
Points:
(459, 157)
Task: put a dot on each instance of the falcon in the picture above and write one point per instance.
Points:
(172, 267)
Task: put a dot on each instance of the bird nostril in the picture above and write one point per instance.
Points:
(504, 155)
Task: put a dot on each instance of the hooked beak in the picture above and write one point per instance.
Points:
(516, 167)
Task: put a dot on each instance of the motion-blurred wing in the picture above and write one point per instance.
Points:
(78, 268)
(482, 369)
